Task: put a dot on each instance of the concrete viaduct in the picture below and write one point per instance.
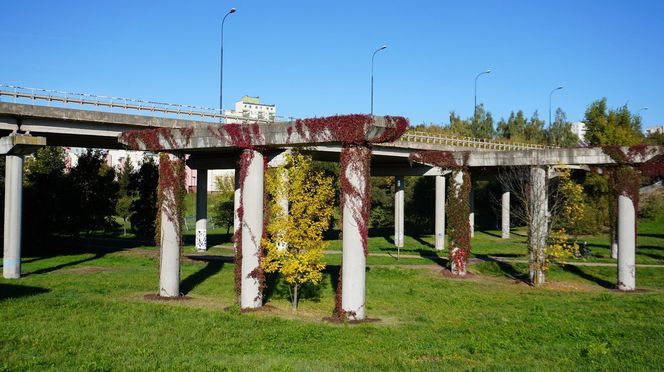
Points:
(27, 127)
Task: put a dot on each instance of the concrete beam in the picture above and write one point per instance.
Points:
(300, 133)
(19, 144)
(542, 157)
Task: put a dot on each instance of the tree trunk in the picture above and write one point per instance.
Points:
(294, 297)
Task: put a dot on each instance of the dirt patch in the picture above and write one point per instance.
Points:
(448, 274)
(156, 297)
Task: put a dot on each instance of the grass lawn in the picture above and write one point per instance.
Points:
(84, 309)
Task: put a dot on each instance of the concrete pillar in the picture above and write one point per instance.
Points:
(201, 209)
(169, 257)
(471, 215)
(398, 211)
(505, 216)
(538, 223)
(356, 173)
(252, 228)
(439, 228)
(626, 244)
(11, 263)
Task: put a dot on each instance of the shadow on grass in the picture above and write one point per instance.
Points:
(489, 232)
(8, 291)
(213, 266)
(576, 270)
(440, 261)
(652, 255)
(212, 239)
(508, 269)
(419, 239)
(660, 236)
(66, 264)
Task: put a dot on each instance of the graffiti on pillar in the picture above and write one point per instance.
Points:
(201, 240)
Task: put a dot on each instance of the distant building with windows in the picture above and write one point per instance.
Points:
(579, 128)
(250, 108)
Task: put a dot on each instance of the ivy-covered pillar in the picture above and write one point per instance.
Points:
(439, 228)
(251, 220)
(201, 209)
(236, 207)
(471, 214)
(538, 224)
(355, 203)
(11, 262)
(459, 224)
(171, 216)
(399, 211)
(505, 215)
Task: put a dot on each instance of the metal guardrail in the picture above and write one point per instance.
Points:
(130, 104)
(424, 137)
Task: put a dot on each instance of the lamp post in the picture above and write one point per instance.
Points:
(551, 93)
(642, 109)
(372, 69)
(221, 68)
(476, 77)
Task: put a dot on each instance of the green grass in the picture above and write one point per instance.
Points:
(84, 309)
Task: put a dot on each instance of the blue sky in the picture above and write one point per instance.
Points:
(313, 58)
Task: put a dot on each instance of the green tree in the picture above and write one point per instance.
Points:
(560, 132)
(125, 195)
(50, 198)
(144, 184)
(460, 127)
(514, 128)
(294, 244)
(382, 202)
(482, 124)
(223, 213)
(97, 191)
(611, 126)
(534, 131)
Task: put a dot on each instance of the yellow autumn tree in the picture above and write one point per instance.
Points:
(301, 205)
(571, 213)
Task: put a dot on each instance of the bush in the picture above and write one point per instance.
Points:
(651, 206)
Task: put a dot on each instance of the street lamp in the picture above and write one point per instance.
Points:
(372, 68)
(553, 90)
(221, 68)
(642, 109)
(476, 77)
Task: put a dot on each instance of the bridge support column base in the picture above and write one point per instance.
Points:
(201, 209)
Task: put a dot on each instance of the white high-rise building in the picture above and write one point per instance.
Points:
(579, 128)
(250, 108)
